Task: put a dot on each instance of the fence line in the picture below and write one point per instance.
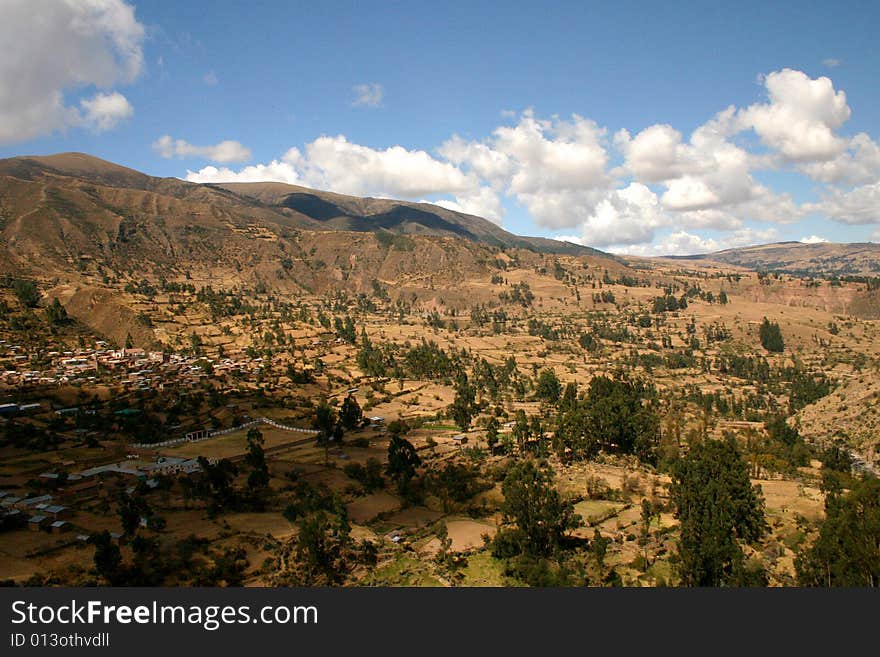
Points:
(223, 432)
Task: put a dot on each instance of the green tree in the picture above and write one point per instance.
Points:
(463, 406)
(258, 478)
(350, 414)
(535, 516)
(548, 386)
(846, 551)
(131, 509)
(771, 336)
(27, 292)
(718, 508)
(217, 485)
(321, 547)
(56, 313)
(107, 558)
(492, 433)
(615, 416)
(402, 463)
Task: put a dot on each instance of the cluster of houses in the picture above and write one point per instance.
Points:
(46, 513)
(134, 367)
(40, 512)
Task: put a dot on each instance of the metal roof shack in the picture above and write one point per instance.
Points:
(60, 526)
(36, 523)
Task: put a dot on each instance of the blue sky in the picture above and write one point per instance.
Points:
(513, 111)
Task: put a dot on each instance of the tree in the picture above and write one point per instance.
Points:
(463, 406)
(520, 430)
(492, 433)
(108, 558)
(771, 336)
(846, 551)
(321, 549)
(535, 514)
(27, 293)
(325, 423)
(350, 415)
(569, 397)
(718, 508)
(548, 387)
(131, 509)
(56, 313)
(615, 415)
(402, 463)
(258, 479)
(217, 485)
(455, 483)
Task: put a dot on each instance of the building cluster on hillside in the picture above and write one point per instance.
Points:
(131, 367)
(53, 511)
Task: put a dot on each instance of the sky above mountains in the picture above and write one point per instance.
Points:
(666, 129)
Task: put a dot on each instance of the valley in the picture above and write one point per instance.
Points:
(216, 387)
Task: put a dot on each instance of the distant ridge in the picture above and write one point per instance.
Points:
(309, 208)
(822, 259)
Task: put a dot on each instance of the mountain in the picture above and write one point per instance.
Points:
(821, 260)
(79, 186)
(352, 213)
(92, 233)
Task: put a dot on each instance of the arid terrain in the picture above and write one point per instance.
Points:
(224, 377)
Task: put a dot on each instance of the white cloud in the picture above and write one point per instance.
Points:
(484, 161)
(368, 95)
(626, 216)
(656, 153)
(483, 203)
(275, 171)
(556, 168)
(801, 117)
(225, 151)
(858, 164)
(832, 62)
(104, 111)
(684, 243)
(860, 205)
(342, 166)
(336, 164)
(50, 47)
(813, 239)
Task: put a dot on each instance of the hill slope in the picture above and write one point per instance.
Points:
(820, 260)
(75, 186)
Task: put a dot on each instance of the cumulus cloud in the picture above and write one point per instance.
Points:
(683, 243)
(483, 203)
(860, 205)
(51, 47)
(368, 95)
(104, 111)
(555, 167)
(800, 118)
(858, 164)
(626, 216)
(225, 151)
(667, 184)
(334, 163)
(275, 171)
(338, 164)
(813, 239)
